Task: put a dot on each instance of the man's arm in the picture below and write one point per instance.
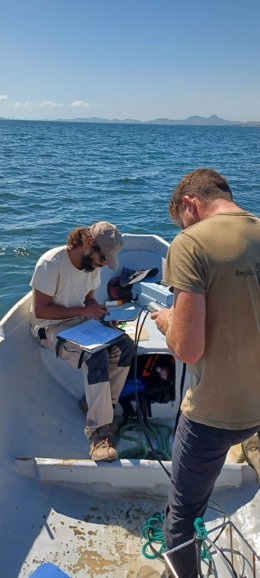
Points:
(45, 308)
(90, 299)
(184, 326)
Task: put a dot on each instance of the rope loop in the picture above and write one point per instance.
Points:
(153, 534)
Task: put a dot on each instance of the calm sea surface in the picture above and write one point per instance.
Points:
(55, 176)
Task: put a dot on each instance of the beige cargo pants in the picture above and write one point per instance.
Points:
(104, 372)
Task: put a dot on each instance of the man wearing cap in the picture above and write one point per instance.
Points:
(64, 284)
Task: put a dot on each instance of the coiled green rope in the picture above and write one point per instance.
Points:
(131, 431)
(152, 533)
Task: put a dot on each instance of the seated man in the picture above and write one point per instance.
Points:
(64, 283)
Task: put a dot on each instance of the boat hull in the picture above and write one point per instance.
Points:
(57, 505)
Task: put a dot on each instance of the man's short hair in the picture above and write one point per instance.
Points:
(205, 184)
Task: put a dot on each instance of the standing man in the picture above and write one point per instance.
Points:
(213, 266)
(64, 283)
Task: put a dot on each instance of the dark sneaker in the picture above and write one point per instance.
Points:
(101, 446)
(251, 451)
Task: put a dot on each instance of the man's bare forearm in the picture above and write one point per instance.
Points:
(53, 311)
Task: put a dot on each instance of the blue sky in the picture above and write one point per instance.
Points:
(139, 59)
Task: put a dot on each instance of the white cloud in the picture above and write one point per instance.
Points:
(80, 103)
(21, 104)
(4, 98)
(43, 104)
(49, 104)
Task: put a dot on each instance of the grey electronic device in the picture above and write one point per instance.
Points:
(146, 293)
(153, 306)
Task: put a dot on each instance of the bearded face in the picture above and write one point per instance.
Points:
(92, 260)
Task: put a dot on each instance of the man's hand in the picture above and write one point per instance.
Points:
(113, 323)
(94, 311)
(162, 319)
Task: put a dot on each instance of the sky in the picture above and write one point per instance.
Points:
(137, 59)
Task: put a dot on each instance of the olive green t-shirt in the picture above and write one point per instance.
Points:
(220, 257)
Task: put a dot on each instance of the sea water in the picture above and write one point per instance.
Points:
(55, 176)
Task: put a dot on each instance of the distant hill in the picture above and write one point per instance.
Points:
(195, 120)
(97, 119)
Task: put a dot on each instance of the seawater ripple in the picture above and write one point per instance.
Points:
(55, 176)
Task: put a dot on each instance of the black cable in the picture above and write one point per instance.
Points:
(140, 415)
(146, 433)
(220, 511)
(154, 551)
(183, 375)
(231, 565)
(220, 532)
(198, 543)
(139, 411)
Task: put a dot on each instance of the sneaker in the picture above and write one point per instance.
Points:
(251, 451)
(101, 447)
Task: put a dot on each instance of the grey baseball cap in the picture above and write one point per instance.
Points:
(109, 240)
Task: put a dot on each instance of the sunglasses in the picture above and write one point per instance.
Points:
(101, 255)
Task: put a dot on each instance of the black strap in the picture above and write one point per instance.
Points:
(42, 333)
(81, 359)
(181, 396)
(59, 342)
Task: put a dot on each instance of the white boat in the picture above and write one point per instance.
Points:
(57, 506)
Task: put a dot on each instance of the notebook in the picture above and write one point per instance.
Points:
(91, 335)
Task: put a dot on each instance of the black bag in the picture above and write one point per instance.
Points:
(155, 383)
(157, 371)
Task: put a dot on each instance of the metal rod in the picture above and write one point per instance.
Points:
(254, 566)
(170, 567)
(231, 545)
(244, 540)
(180, 547)
(167, 560)
(228, 564)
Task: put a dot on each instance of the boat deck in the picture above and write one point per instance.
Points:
(97, 534)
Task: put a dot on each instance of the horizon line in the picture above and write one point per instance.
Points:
(192, 120)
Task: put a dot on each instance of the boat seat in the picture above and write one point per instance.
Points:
(49, 570)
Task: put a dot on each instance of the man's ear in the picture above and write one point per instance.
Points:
(189, 203)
